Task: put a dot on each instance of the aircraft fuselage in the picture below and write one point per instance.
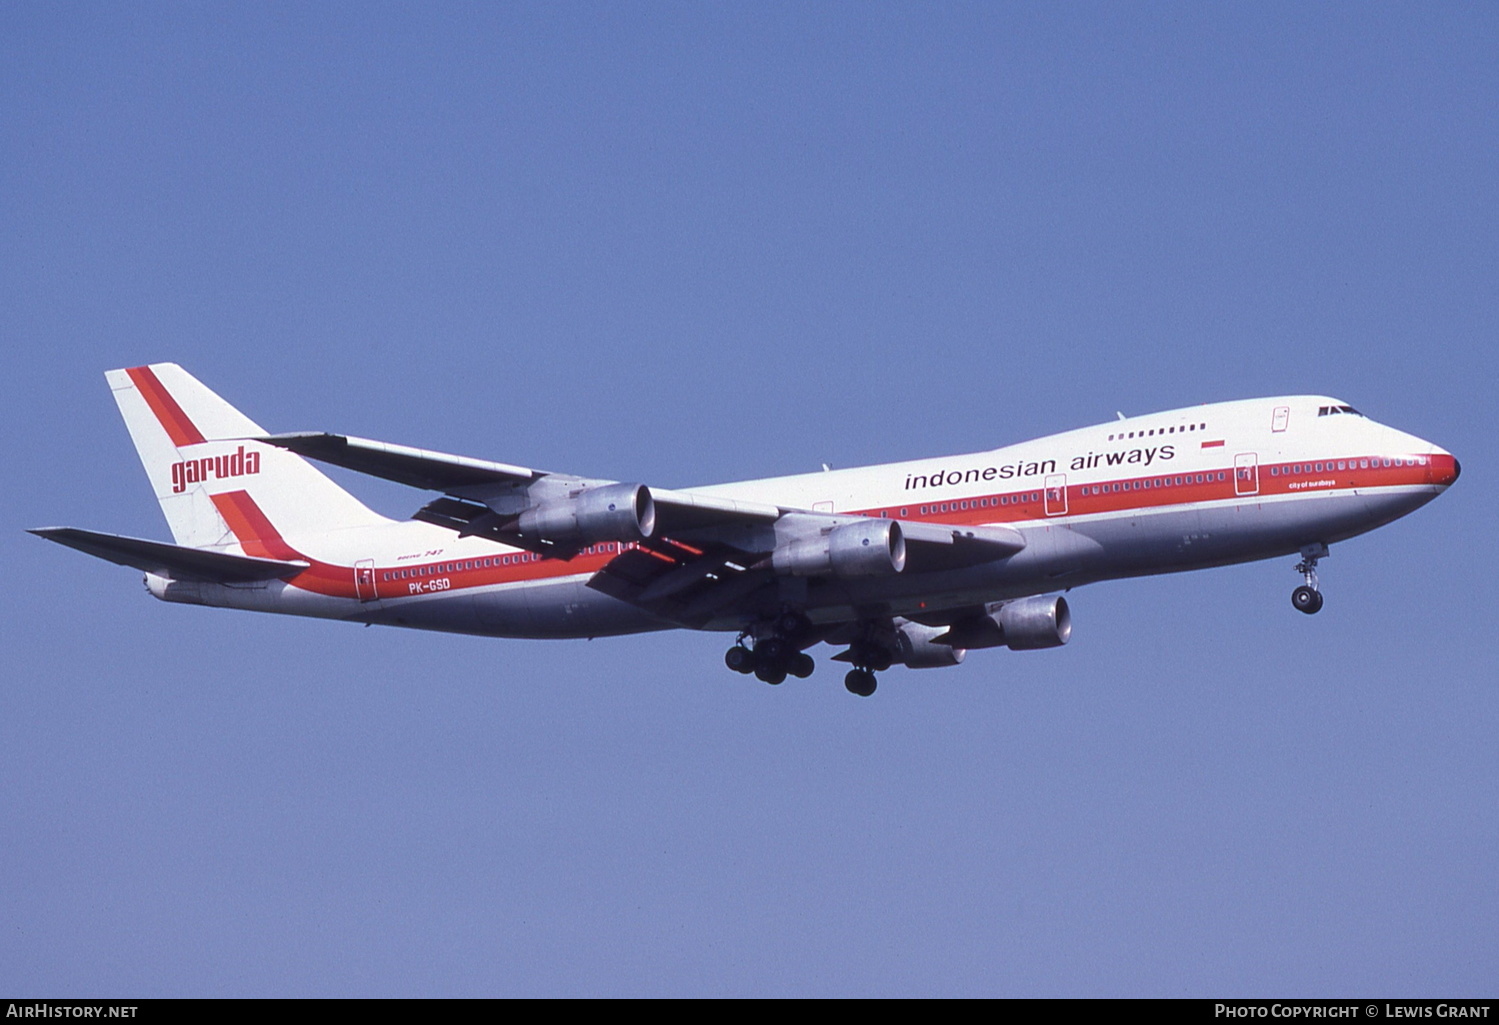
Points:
(1185, 489)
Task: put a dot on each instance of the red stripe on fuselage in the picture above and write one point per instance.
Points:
(178, 425)
(251, 527)
(259, 537)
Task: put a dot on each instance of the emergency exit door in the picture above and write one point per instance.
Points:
(1056, 495)
(364, 580)
(1247, 473)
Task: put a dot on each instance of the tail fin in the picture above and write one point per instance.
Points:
(196, 446)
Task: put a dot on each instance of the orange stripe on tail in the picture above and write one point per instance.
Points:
(178, 426)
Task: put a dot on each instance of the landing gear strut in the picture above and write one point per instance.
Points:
(1307, 598)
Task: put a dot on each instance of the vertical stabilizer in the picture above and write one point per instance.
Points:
(195, 446)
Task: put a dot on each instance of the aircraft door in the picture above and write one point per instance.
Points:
(364, 580)
(1056, 495)
(1246, 474)
(1281, 419)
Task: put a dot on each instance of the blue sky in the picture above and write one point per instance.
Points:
(691, 243)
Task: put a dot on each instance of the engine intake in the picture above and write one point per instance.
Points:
(870, 548)
(615, 512)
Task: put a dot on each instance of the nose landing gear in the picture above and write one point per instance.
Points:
(1308, 598)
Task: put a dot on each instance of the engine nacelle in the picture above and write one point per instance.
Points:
(914, 646)
(870, 548)
(615, 512)
(189, 592)
(1040, 622)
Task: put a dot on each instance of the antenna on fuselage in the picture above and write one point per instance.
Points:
(1119, 414)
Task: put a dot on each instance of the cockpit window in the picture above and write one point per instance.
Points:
(1335, 410)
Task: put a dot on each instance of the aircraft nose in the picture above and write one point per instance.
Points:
(1445, 469)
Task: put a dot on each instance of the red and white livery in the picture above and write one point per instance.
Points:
(912, 563)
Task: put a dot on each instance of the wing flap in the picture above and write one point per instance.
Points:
(170, 560)
(678, 583)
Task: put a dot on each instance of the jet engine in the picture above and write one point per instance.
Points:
(615, 512)
(914, 645)
(1040, 622)
(869, 548)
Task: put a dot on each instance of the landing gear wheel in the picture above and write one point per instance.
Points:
(771, 674)
(772, 651)
(1305, 599)
(802, 665)
(740, 659)
(860, 682)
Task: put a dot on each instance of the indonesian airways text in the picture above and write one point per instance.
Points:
(1038, 468)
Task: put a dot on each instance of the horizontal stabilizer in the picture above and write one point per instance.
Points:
(417, 467)
(167, 560)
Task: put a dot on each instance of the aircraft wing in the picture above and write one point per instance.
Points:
(434, 471)
(693, 583)
(682, 583)
(169, 560)
(938, 546)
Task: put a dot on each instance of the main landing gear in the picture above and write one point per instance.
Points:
(777, 651)
(775, 654)
(868, 657)
(1307, 598)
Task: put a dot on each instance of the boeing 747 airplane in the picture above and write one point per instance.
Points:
(913, 563)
